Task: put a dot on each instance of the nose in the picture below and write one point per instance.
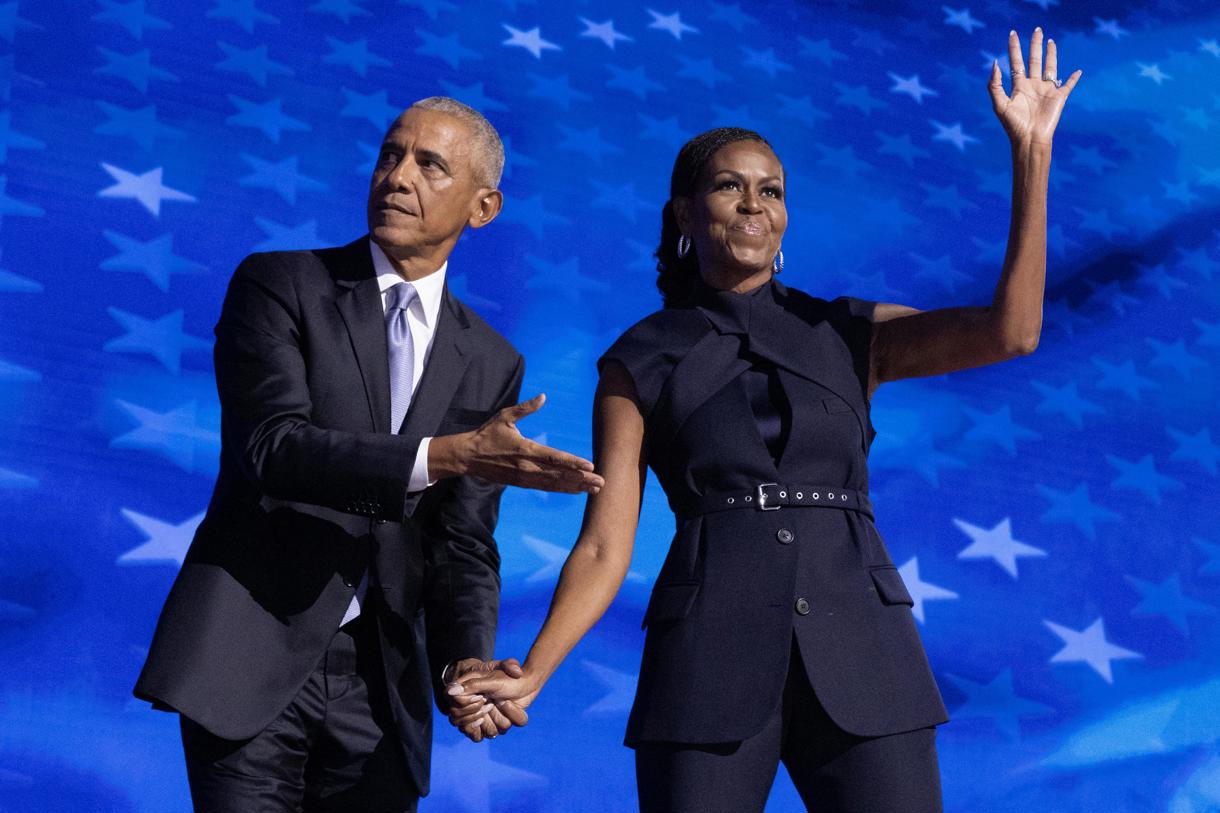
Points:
(403, 175)
(749, 205)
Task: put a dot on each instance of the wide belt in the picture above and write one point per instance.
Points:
(773, 496)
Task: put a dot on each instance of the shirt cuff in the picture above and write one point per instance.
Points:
(419, 472)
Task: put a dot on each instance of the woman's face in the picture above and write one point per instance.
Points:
(736, 217)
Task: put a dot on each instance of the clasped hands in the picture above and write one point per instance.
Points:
(487, 698)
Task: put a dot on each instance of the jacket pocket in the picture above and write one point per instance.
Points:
(890, 587)
(670, 602)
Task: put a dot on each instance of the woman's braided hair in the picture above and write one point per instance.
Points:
(678, 277)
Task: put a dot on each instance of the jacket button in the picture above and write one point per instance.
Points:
(784, 536)
(802, 607)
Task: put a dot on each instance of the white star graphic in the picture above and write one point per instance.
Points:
(671, 23)
(920, 590)
(953, 134)
(996, 543)
(620, 690)
(961, 18)
(1153, 72)
(175, 434)
(911, 86)
(604, 32)
(1089, 646)
(1110, 27)
(164, 542)
(531, 41)
(466, 773)
(550, 553)
(146, 188)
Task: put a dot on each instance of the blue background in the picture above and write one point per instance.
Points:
(1054, 516)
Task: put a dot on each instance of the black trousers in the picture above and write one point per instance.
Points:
(834, 771)
(333, 749)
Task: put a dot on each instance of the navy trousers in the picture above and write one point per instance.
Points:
(834, 771)
(333, 749)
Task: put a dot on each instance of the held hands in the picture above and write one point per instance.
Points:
(496, 451)
(478, 694)
(475, 715)
(1031, 113)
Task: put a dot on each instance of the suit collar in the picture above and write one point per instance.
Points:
(429, 290)
(788, 330)
(359, 303)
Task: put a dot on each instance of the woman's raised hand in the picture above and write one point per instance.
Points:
(1031, 113)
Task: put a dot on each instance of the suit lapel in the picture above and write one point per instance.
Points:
(443, 372)
(705, 370)
(359, 303)
(812, 349)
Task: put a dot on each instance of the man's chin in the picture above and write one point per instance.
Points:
(388, 236)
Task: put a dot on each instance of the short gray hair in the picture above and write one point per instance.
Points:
(489, 149)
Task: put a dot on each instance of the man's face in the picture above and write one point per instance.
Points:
(424, 188)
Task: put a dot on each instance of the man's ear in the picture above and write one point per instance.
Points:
(487, 205)
(681, 210)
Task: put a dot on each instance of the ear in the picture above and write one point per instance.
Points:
(487, 205)
(682, 214)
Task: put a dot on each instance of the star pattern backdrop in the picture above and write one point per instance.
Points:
(1054, 517)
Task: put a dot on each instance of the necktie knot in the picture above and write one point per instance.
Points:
(399, 296)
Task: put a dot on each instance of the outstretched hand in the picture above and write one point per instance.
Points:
(497, 451)
(476, 716)
(1031, 113)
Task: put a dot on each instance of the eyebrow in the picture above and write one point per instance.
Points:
(737, 174)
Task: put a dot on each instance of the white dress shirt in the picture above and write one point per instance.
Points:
(422, 315)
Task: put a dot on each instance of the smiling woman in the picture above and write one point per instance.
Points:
(776, 635)
(707, 169)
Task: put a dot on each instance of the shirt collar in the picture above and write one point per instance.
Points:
(731, 312)
(428, 289)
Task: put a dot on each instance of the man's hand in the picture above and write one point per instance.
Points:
(497, 452)
(478, 717)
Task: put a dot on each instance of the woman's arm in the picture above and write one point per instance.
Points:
(908, 343)
(599, 561)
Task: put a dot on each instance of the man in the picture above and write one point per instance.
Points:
(346, 565)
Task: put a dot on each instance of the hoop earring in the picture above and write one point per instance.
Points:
(778, 262)
(683, 245)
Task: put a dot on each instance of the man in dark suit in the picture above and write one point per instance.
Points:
(346, 565)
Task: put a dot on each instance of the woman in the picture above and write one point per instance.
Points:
(776, 631)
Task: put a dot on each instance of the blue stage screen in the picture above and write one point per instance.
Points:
(1053, 516)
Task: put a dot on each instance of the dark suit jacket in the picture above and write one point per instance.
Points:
(312, 493)
(722, 615)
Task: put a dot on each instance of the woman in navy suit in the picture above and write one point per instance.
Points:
(779, 628)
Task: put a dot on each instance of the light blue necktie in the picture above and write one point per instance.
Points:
(402, 350)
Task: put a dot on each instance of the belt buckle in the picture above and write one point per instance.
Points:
(762, 497)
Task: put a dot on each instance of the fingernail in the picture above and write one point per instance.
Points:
(1038, 29)
(455, 690)
(1014, 31)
